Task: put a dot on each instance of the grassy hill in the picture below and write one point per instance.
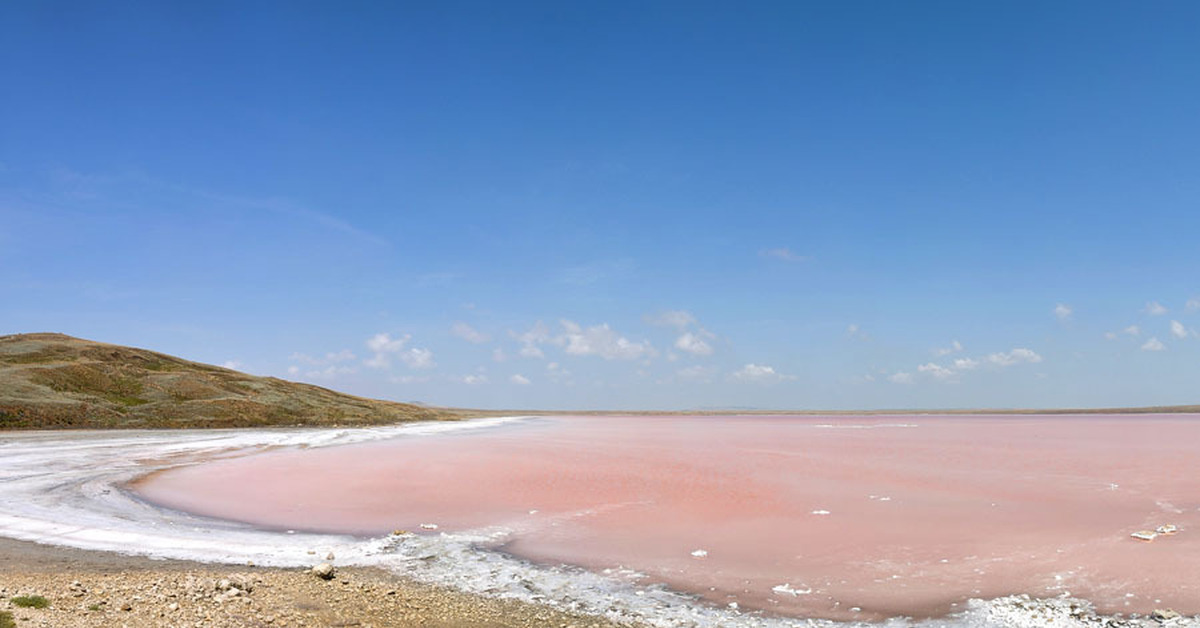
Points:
(54, 381)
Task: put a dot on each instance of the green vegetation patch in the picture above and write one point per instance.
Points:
(6, 620)
(30, 601)
(92, 380)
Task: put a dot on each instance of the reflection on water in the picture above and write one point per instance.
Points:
(890, 516)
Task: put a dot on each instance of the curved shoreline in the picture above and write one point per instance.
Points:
(74, 500)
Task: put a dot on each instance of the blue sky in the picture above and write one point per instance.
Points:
(617, 205)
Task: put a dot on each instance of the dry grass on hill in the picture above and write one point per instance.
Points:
(54, 381)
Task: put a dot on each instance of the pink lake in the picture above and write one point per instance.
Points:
(861, 517)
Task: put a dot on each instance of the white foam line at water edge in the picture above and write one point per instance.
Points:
(64, 488)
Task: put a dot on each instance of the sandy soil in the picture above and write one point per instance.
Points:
(102, 589)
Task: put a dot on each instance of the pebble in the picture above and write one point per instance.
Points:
(324, 571)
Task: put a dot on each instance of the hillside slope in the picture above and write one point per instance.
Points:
(54, 381)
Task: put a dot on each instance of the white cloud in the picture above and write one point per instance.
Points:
(693, 344)
(1110, 335)
(293, 370)
(783, 254)
(936, 370)
(1154, 308)
(602, 341)
(473, 380)
(1178, 330)
(1153, 344)
(1016, 356)
(345, 355)
(965, 364)
(385, 348)
(954, 347)
(498, 355)
(671, 318)
(330, 372)
(409, 379)
(235, 365)
(1193, 304)
(1062, 311)
(384, 343)
(418, 358)
(557, 374)
(531, 351)
(1133, 330)
(696, 373)
(900, 378)
(468, 333)
(519, 380)
(530, 340)
(692, 341)
(854, 331)
(759, 373)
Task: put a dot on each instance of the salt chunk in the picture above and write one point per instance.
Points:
(1144, 535)
(1169, 528)
(700, 553)
(820, 512)
(787, 589)
(429, 526)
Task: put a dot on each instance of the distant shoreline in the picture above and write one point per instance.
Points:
(1188, 409)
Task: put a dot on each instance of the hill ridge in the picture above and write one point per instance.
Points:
(50, 380)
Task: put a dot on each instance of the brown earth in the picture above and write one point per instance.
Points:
(86, 589)
(54, 381)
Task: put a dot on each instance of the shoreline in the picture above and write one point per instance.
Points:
(288, 594)
(96, 588)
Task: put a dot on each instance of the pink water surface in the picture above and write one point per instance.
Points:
(924, 512)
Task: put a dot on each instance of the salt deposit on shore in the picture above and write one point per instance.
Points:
(65, 488)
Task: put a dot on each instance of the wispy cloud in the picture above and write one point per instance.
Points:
(696, 373)
(1154, 308)
(1154, 344)
(935, 370)
(678, 319)
(603, 341)
(1178, 330)
(1016, 356)
(1132, 330)
(385, 348)
(693, 338)
(532, 340)
(1063, 312)
(760, 373)
(595, 272)
(783, 254)
(1193, 304)
(113, 186)
(333, 371)
(965, 364)
(345, 355)
(693, 344)
(955, 347)
(519, 380)
(468, 333)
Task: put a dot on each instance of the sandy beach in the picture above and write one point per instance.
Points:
(89, 588)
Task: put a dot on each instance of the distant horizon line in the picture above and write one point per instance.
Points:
(1173, 409)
